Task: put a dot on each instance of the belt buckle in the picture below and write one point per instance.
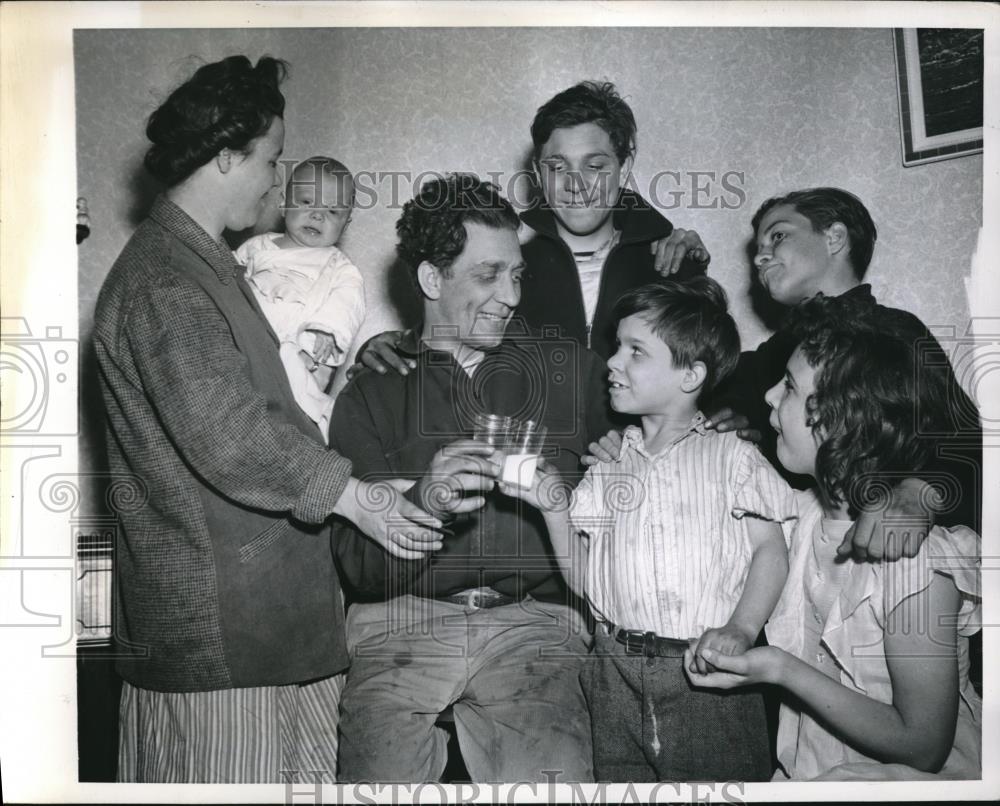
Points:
(640, 643)
(635, 642)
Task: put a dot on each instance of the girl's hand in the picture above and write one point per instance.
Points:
(758, 665)
(548, 491)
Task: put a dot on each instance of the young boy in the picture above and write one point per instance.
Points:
(680, 542)
(310, 292)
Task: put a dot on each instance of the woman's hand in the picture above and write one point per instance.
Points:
(380, 511)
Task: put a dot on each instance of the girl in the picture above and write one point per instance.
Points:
(874, 656)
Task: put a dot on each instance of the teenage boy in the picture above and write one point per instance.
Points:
(591, 239)
(820, 241)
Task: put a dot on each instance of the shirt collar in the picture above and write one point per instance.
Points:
(515, 336)
(632, 437)
(216, 254)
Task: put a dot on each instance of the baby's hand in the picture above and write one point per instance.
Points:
(324, 346)
(726, 640)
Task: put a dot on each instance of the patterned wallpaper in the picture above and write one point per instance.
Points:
(727, 117)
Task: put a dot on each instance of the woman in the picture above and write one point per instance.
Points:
(227, 601)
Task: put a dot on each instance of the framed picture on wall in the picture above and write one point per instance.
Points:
(939, 73)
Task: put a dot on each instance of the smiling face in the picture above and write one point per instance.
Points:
(318, 206)
(793, 261)
(642, 378)
(581, 177)
(797, 444)
(252, 176)
(469, 304)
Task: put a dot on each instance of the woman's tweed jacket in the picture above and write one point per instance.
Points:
(224, 575)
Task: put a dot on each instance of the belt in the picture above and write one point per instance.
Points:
(479, 598)
(649, 644)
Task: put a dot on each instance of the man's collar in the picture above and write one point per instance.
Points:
(174, 219)
(633, 217)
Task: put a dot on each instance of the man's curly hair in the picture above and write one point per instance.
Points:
(882, 398)
(432, 225)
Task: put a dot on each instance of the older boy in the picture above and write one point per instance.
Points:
(591, 239)
(820, 241)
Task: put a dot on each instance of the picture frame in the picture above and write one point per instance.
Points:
(939, 75)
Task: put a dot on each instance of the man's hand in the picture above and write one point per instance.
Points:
(671, 251)
(728, 420)
(461, 467)
(324, 346)
(726, 640)
(896, 530)
(606, 449)
(380, 511)
(758, 665)
(379, 353)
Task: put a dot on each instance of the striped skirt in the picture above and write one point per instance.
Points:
(274, 734)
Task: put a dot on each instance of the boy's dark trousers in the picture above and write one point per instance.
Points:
(650, 724)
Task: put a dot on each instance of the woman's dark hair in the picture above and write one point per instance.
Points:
(881, 404)
(225, 104)
(432, 225)
(587, 102)
(692, 319)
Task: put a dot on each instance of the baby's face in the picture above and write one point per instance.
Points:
(318, 208)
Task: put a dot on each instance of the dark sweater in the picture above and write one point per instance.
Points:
(551, 296)
(392, 425)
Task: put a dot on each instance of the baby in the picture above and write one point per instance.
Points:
(310, 292)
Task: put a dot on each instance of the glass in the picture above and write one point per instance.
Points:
(492, 429)
(527, 438)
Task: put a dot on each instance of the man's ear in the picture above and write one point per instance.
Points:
(429, 280)
(837, 239)
(694, 377)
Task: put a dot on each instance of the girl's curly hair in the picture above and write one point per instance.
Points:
(884, 397)
(226, 104)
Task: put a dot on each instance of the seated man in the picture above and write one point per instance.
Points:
(486, 625)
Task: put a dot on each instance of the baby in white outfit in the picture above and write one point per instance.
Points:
(310, 292)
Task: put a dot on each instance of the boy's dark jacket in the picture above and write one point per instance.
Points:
(550, 287)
